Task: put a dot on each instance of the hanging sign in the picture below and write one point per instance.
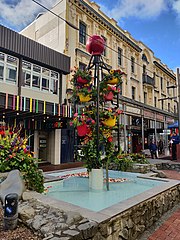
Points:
(57, 125)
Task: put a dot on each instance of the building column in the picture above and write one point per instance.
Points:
(142, 131)
(125, 132)
(57, 147)
(36, 144)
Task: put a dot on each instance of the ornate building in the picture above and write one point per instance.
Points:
(147, 80)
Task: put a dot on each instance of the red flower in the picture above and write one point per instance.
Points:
(110, 139)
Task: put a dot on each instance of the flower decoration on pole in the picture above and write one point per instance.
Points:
(114, 77)
(82, 83)
(83, 124)
(96, 120)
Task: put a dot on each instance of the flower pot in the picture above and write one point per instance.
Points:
(81, 80)
(110, 122)
(96, 179)
(82, 130)
(113, 81)
(83, 98)
(109, 96)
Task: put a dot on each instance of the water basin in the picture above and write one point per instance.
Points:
(75, 190)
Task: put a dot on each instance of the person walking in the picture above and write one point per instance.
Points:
(175, 141)
(160, 146)
(153, 149)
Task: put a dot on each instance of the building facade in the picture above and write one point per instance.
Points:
(147, 96)
(32, 77)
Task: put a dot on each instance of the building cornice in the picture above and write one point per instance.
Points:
(164, 70)
(108, 24)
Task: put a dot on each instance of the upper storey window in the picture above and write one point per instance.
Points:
(105, 51)
(132, 64)
(40, 78)
(119, 56)
(82, 33)
(8, 68)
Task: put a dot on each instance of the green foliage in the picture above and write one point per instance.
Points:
(15, 154)
(125, 161)
(138, 158)
(89, 155)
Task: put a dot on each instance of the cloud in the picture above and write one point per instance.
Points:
(176, 6)
(137, 8)
(19, 13)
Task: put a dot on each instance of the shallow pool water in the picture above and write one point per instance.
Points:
(76, 190)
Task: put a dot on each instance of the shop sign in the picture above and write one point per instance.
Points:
(159, 117)
(148, 114)
(56, 125)
(133, 110)
(169, 120)
(42, 143)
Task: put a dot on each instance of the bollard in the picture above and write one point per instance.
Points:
(11, 211)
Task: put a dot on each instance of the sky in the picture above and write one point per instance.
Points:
(154, 22)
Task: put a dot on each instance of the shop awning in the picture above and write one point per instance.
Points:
(173, 125)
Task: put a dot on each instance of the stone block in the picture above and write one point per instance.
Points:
(12, 184)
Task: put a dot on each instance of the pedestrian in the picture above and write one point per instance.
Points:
(160, 146)
(153, 149)
(175, 141)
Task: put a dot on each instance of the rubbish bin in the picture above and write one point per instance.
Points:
(11, 211)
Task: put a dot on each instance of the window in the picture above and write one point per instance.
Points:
(145, 97)
(36, 81)
(119, 56)
(161, 79)
(168, 88)
(54, 82)
(27, 78)
(45, 79)
(8, 68)
(36, 76)
(132, 64)
(144, 58)
(40, 78)
(26, 68)
(2, 56)
(12, 60)
(155, 101)
(144, 69)
(104, 52)
(175, 109)
(1, 72)
(11, 74)
(82, 33)
(82, 66)
(133, 92)
(169, 107)
(120, 86)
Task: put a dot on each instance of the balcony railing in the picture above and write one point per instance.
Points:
(148, 80)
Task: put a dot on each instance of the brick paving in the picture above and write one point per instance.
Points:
(170, 228)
